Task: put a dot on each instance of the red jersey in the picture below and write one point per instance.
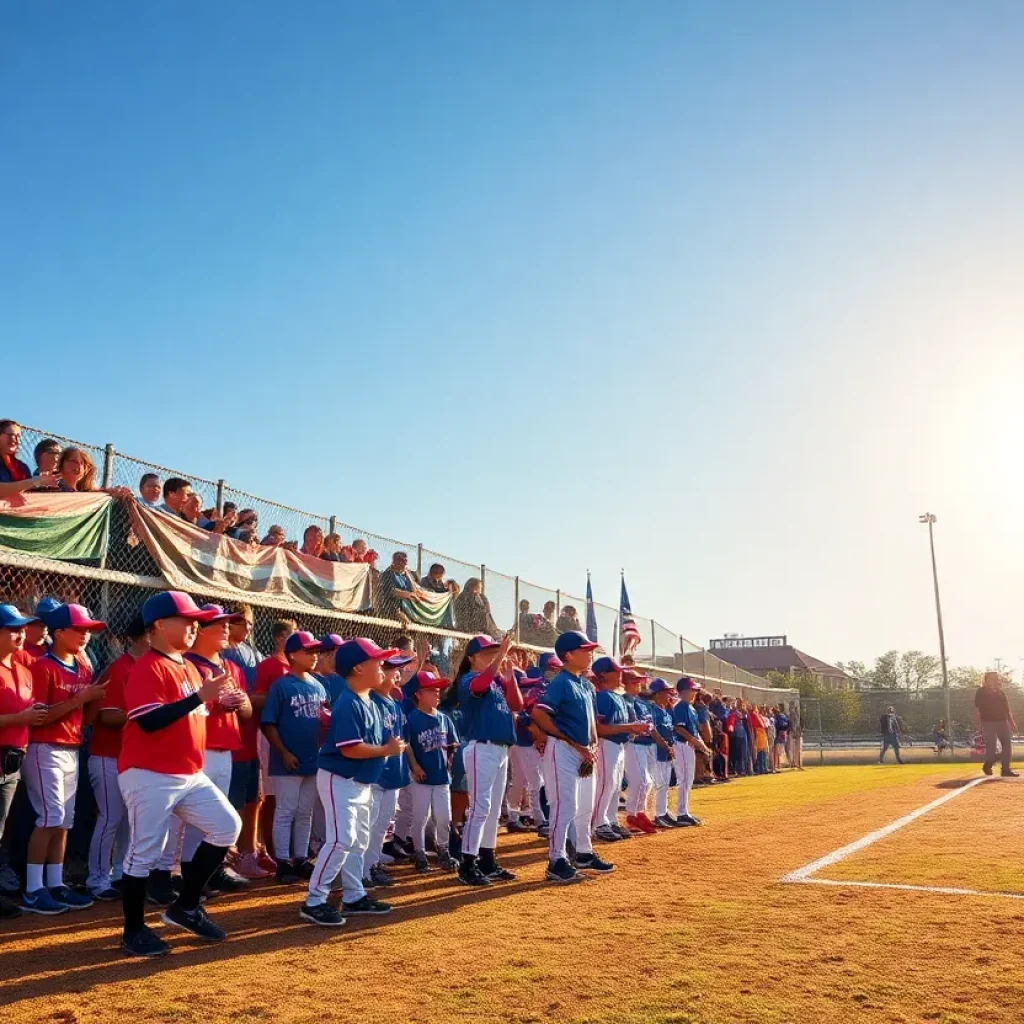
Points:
(223, 727)
(33, 651)
(53, 682)
(157, 679)
(15, 696)
(106, 742)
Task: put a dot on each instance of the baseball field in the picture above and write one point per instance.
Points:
(904, 903)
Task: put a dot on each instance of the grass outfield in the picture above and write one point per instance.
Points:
(693, 928)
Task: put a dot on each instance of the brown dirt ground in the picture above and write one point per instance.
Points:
(693, 928)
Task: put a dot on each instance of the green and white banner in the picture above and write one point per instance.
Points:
(56, 525)
(429, 609)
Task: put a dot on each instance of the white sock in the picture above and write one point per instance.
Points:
(33, 877)
(54, 875)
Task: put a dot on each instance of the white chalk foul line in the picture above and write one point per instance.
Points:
(944, 890)
(804, 874)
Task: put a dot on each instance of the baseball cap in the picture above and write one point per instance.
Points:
(398, 660)
(302, 641)
(658, 686)
(172, 604)
(72, 616)
(534, 676)
(331, 642)
(11, 618)
(573, 641)
(46, 605)
(354, 652)
(686, 683)
(602, 666)
(219, 615)
(136, 628)
(480, 643)
(546, 662)
(633, 675)
(424, 681)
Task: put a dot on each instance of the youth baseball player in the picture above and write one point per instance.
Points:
(687, 744)
(161, 771)
(488, 702)
(640, 754)
(662, 696)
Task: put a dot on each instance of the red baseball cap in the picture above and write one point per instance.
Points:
(425, 681)
(173, 604)
(354, 652)
(302, 641)
(219, 615)
(72, 616)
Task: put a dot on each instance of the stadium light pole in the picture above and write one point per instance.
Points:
(930, 520)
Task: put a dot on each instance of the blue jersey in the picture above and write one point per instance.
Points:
(429, 738)
(396, 768)
(486, 718)
(294, 706)
(523, 736)
(246, 657)
(333, 684)
(703, 714)
(684, 714)
(639, 711)
(610, 709)
(663, 727)
(353, 720)
(569, 700)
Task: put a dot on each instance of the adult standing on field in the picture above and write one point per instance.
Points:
(995, 722)
(891, 726)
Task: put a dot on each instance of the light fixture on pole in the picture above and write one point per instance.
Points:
(930, 520)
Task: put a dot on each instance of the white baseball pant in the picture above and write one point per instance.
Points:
(263, 753)
(526, 780)
(382, 810)
(51, 779)
(403, 815)
(111, 830)
(570, 798)
(686, 764)
(152, 799)
(427, 801)
(638, 777)
(662, 780)
(486, 775)
(295, 797)
(608, 770)
(347, 818)
(217, 768)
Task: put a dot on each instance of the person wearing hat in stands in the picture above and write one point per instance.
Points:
(639, 753)
(62, 680)
(565, 711)
(526, 757)
(489, 697)
(163, 746)
(351, 760)
(18, 714)
(687, 744)
(662, 696)
(111, 829)
(614, 731)
(296, 709)
(432, 741)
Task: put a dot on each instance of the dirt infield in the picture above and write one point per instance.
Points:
(693, 928)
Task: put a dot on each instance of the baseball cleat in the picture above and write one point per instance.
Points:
(380, 877)
(591, 862)
(621, 831)
(606, 834)
(544, 831)
(322, 914)
(665, 821)
(286, 873)
(561, 872)
(41, 902)
(420, 863)
(70, 898)
(684, 821)
(519, 826)
(645, 824)
(473, 876)
(366, 907)
(194, 921)
(500, 874)
(447, 862)
(144, 942)
(369, 883)
(108, 895)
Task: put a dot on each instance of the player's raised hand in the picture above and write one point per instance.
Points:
(214, 686)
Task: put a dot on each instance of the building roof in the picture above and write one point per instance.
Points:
(777, 659)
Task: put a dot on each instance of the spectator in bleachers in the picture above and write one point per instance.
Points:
(245, 526)
(177, 495)
(435, 582)
(359, 552)
(332, 548)
(473, 610)
(275, 537)
(524, 620)
(149, 490)
(15, 476)
(568, 621)
(46, 454)
(312, 542)
(76, 470)
(397, 583)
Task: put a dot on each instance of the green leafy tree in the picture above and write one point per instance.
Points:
(917, 670)
(965, 677)
(886, 673)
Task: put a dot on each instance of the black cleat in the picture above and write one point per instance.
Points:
(420, 863)
(473, 876)
(322, 914)
(194, 921)
(380, 877)
(366, 907)
(591, 862)
(144, 942)
(561, 872)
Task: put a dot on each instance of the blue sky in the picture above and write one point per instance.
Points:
(722, 294)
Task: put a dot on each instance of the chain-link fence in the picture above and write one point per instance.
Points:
(846, 727)
(117, 585)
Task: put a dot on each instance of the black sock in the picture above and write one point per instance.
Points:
(133, 900)
(487, 863)
(197, 872)
(468, 861)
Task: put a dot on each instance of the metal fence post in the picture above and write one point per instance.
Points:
(515, 601)
(419, 560)
(558, 603)
(108, 465)
(332, 524)
(220, 497)
(821, 736)
(483, 578)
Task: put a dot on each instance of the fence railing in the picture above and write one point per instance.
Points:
(661, 649)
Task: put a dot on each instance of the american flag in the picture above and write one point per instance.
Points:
(591, 614)
(629, 635)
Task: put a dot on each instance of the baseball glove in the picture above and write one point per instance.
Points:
(586, 769)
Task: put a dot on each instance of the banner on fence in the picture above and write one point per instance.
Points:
(56, 524)
(429, 609)
(191, 557)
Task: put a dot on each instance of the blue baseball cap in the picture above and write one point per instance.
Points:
(658, 686)
(573, 641)
(331, 642)
(219, 615)
(480, 643)
(171, 604)
(302, 641)
(46, 605)
(686, 684)
(399, 660)
(604, 666)
(72, 616)
(11, 618)
(354, 652)
(546, 662)
(534, 676)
